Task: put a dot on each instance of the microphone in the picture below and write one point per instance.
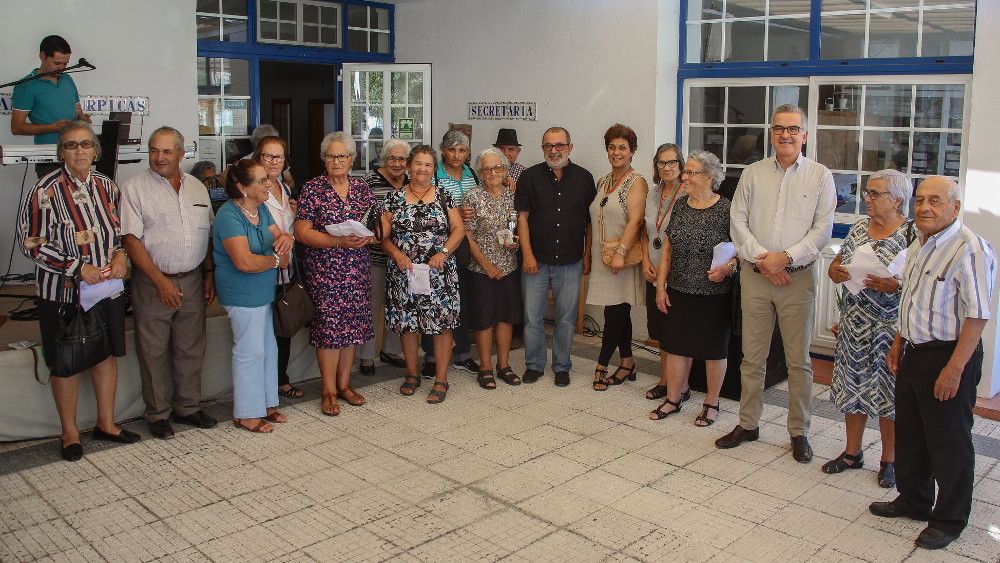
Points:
(83, 62)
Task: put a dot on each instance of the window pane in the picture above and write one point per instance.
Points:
(948, 33)
(788, 7)
(837, 5)
(747, 39)
(288, 12)
(287, 32)
(209, 76)
(847, 192)
(310, 13)
(234, 7)
(930, 105)
(795, 95)
(357, 16)
(747, 104)
(330, 16)
(234, 30)
(380, 19)
(329, 36)
(837, 148)
(398, 93)
(207, 27)
(704, 43)
(745, 8)
(268, 9)
(886, 149)
(704, 9)
(706, 105)
(926, 149)
(888, 105)
(896, 4)
(357, 40)
(268, 30)
(310, 34)
(707, 139)
(788, 40)
(239, 77)
(416, 88)
(952, 153)
(843, 37)
(382, 42)
(746, 145)
(207, 6)
(209, 113)
(893, 34)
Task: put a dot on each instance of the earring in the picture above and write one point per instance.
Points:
(244, 193)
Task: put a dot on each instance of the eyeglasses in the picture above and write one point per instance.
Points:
(674, 163)
(793, 130)
(498, 169)
(72, 145)
(336, 157)
(873, 194)
(395, 159)
(262, 181)
(692, 172)
(273, 157)
(557, 146)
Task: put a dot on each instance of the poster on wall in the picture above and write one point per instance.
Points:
(237, 117)
(404, 127)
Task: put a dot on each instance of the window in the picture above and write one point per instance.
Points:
(299, 22)
(223, 109)
(368, 29)
(222, 20)
(897, 28)
(747, 30)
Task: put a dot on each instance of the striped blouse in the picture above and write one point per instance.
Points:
(947, 278)
(64, 223)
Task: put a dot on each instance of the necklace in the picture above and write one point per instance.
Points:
(657, 243)
(250, 215)
(705, 203)
(613, 185)
(420, 198)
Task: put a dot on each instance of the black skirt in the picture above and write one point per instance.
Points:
(654, 317)
(493, 301)
(697, 326)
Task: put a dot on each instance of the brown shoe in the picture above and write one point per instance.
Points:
(329, 405)
(737, 437)
(352, 397)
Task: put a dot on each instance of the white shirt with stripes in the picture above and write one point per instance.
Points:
(947, 278)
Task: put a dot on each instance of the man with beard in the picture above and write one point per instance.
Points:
(553, 200)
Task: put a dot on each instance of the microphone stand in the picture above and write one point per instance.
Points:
(67, 70)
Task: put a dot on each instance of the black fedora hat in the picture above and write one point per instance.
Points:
(507, 137)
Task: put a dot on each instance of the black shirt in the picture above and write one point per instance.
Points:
(558, 211)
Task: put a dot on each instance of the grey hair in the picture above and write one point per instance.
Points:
(178, 138)
(791, 108)
(73, 126)
(953, 192)
(897, 184)
(491, 151)
(261, 131)
(557, 129)
(202, 166)
(392, 144)
(710, 165)
(454, 138)
(338, 137)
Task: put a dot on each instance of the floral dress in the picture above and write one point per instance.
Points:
(419, 230)
(338, 279)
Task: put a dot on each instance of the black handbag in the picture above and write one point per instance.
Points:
(293, 309)
(372, 220)
(82, 339)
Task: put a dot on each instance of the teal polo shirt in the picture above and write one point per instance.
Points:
(456, 189)
(46, 102)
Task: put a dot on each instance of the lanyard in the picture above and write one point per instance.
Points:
(621, 179)
(659, 219)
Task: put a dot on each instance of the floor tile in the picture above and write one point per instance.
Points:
(562, 545)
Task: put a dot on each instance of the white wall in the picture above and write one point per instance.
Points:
(140, 48)
(982, 178)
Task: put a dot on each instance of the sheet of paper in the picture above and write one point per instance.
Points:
(91, 294)
(419, 279)
(722, 253)
(864, 262)
(349, 227)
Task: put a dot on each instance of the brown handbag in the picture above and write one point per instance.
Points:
(610, 245)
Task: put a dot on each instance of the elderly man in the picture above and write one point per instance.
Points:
(166, 223)
(456, 177)
(508, 145)
(937, 358)
(781, 218)
(553, 200)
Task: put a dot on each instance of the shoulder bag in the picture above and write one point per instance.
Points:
(293, 309)
(610, 246)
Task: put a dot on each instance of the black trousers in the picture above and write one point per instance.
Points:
(934, 438)
(617, 332)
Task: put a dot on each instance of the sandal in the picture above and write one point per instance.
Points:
(508, 376)
(440, 394)
(887, 474)
(599, 380)
(327, 408)
(352, 397)
(657, 392)
(292, 392)
(686, 395)
(275, 416)
(658, 414)
(702, 419)
(841, 463)
(262, 426)
(410, 384)
(485, 379)
(629, 375)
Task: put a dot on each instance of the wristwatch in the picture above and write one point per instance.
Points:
(444, 250)
(899, 288)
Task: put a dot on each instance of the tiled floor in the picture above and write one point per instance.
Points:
(529, 473)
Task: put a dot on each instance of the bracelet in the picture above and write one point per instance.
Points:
(277, 260)
(790, 259)
(732, 268)
(620, 252)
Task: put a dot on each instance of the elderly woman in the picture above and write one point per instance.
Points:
(422, 226)
(206, 174)
(272, 154)
(695, 298)
(862, 385)
(337, 269)
(390, 176)
(494, 278)
(247, 247)
(618, 212)
(667, 166)
(68, 225)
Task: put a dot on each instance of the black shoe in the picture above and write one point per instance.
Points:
(429, 371)
(562, 378)
(737, 437)
(161, 429)
(367, 369)
(123, 437)
(71, 452)
(531, 375)
(394, 362)
(933, 538)
(468, 364)
(802, 452)
(197, 419)
(892, 510)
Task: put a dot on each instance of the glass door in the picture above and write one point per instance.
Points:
(385, 101)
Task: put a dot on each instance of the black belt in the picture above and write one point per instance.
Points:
(789, 269)
(932, 344)
(181, 275)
